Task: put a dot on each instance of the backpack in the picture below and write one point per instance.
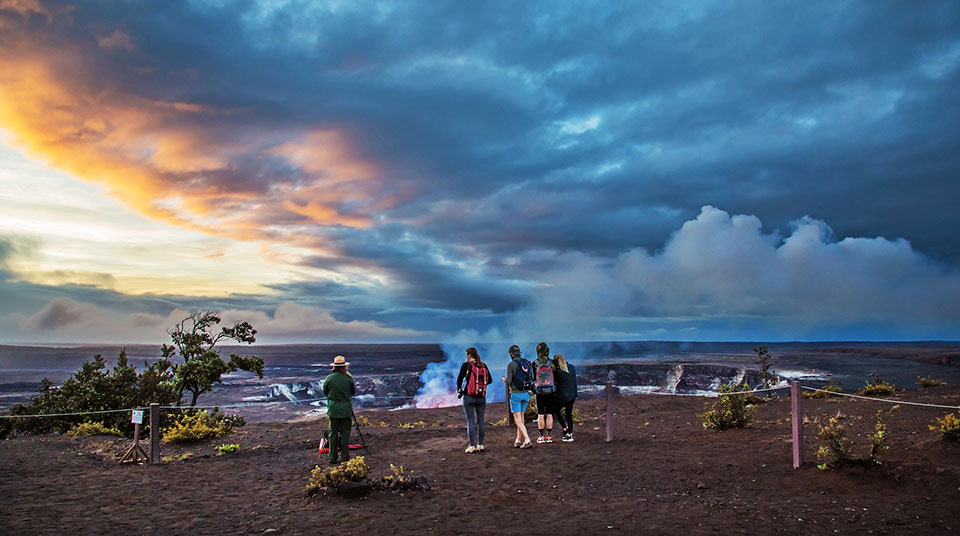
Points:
(477, 381)
(523, 378)
(545, 384)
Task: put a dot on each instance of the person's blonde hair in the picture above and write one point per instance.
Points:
(342, 369)
(561, 362)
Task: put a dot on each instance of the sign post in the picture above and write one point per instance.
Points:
(609, 394)
(136, 451)
(154, 433)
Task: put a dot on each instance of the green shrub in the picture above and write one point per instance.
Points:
(877, 387)
(768, 377)
(197, 426)
(93, 428)
(929, 382)
(729, 411)
(832, 387)
(948, 427)
(836, 449)
(6, 428)
(355, 470)
(228, 448)
(94, 387)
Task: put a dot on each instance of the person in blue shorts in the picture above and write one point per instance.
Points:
(518, 379)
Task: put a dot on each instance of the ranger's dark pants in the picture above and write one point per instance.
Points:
(339, 439)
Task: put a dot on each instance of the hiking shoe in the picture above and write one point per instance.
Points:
(470, 449)
(541, 439)
(548, 439)
(526, 445)
(516, 444)
(568, 438)
(480, 448)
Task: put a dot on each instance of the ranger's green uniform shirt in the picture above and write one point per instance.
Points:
(338, 388)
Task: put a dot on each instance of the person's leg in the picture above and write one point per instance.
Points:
(569, 409)
(481, 410)
(345, 427)
(522, 435)
(470, 411)
(558, 414)
(333, 442)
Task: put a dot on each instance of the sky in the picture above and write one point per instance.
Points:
(430, 171)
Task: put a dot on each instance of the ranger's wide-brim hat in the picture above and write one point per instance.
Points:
(339, 361)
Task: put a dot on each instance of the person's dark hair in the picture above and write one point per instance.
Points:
(543, 349)
(342, 369)
(472, 352)
(514, 350)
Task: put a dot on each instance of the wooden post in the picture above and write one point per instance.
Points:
(154, 433)
(135, 451)
(796, 419)
(509, 413)
(609, 393)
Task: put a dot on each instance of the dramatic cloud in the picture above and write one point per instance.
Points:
(722, 277)
(60, 313)
(428, 167)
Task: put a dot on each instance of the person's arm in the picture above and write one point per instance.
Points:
(573, 378)
(353, 387)
(511, 367)
(326, 386)
(463, 375)
(489, 377)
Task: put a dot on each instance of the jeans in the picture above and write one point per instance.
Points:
(474, 408)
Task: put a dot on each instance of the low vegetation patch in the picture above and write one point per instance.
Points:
(200, 425)
(929, 382)
(948, 427)
(830, 387)
(877, 387)
(729, 411)
(228, 448)
(92, 429)
(836, 449)
(354, 470)
(406, 425)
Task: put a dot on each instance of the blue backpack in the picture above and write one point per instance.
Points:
(523, 378)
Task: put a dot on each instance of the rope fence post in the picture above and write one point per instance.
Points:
(154, 432)
(609, 395)
(509, 414)
(796, 421)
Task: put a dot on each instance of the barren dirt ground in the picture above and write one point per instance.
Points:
(662, 475)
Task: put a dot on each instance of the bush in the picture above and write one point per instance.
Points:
(929, 382)
(228, 448)
(877, 387)
(354, 470)
(197, 426)
(768, 377)
(93, 388)
(407, 425)
(948, 427)
(836, 450)
(729, 411)
(832, 387)
(93, 428)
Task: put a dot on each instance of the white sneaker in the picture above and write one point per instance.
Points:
(480, 448)
(470, 449)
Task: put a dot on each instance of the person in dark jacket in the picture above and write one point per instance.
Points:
(472, 386)
(566, 379)
(338, 387)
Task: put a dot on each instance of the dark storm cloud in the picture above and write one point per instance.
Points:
(478, 144)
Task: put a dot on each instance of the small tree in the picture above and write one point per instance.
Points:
(194, 341)
(768, 378)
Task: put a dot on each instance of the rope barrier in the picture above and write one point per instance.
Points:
(416, 397)
(880, 399)
(67, 414)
